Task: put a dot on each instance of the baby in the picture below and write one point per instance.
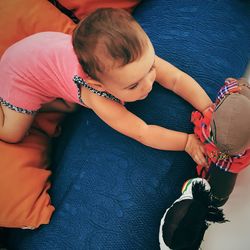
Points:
(108, 61)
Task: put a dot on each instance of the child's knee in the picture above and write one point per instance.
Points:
(10, 137)
(14, 125)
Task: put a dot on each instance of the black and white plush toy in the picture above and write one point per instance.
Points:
(184, 223)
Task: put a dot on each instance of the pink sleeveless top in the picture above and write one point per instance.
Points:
(37, 70)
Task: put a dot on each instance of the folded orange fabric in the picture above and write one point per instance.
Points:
(24, 201)
(83, 7)
(19, 19)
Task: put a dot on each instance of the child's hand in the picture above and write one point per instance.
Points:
(195, 149)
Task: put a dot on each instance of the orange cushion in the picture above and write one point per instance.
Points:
(24, 201)
(82, 7)
(19, 19)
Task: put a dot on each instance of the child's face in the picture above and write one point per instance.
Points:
(133, 81)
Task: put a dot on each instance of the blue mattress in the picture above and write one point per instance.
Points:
(110, 191)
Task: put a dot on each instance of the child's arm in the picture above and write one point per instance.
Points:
(119, 118)
(182, 84)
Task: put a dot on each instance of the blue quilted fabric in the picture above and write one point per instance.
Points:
(110, 191)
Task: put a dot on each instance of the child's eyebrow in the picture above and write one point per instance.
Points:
(133, 84)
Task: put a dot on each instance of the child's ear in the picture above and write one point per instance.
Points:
(96, 84)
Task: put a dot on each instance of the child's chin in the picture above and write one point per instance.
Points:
(137, 99)
(143, 97)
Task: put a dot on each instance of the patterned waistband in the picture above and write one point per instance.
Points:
(17, 109)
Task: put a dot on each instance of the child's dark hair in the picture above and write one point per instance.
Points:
(113, 33)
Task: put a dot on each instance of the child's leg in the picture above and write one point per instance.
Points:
(13, 125)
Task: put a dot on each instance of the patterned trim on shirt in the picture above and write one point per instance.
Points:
(17, 109)
(80, 82)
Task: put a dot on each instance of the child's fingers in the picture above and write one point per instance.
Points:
(203, 157)
(202, 150)
(199, 158)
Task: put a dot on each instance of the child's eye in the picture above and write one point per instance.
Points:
(134, 86)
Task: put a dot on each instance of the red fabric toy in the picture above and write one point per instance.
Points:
(224, 129)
